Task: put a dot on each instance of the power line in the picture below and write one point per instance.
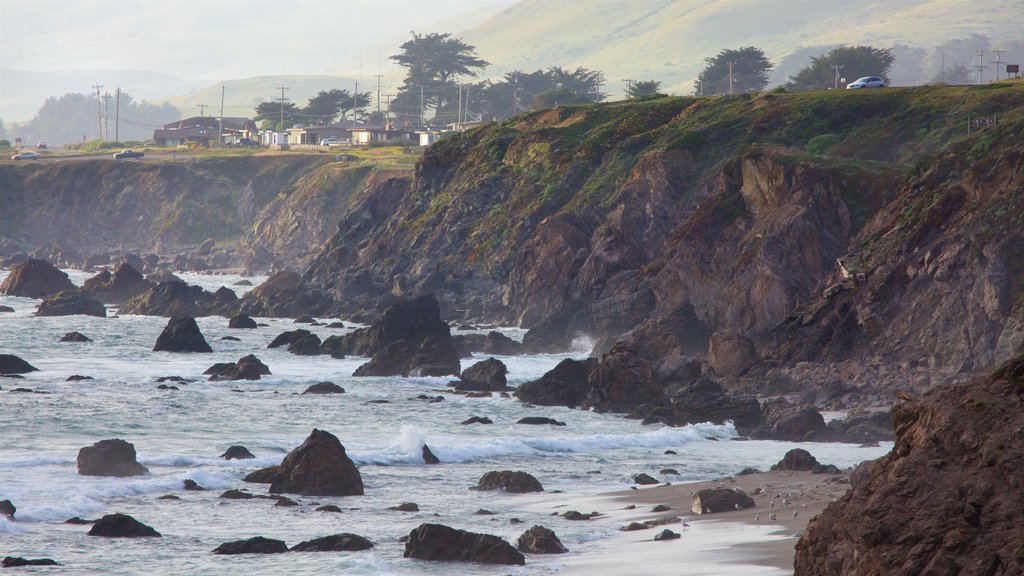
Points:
(981, 65)
(282, 100)
(106, 115)
(998, 61)
(99, 109)
(202, 108)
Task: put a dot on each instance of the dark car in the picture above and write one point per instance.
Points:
(248, 143)
(126, 154)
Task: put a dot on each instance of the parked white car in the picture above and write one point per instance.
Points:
(866, 82)
(26, 156)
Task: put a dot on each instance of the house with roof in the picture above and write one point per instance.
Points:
(205, 130)
(313, 135)
(367, 134)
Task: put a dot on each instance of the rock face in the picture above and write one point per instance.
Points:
(441, 543)
(181, 335)
(121, 526)
(70, 304)
(109, 458)
(945, 500)
(126, 282)
(10, 364)
(485, 376)
(434, 356)
(567, 384)
(706, 401)
(540, 540)
(730, 353)
(713, 500)
(254, 545)
(784, 421)
(176, 298)
(319, 467)
(334, 543)
(510, 481)
(35, 279)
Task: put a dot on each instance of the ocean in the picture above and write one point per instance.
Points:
(179, 434)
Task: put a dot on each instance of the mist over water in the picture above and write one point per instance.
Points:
(179, 434)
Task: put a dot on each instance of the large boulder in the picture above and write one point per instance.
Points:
(411, 321)
(109, 458)
(623, 380)
(284, 295)
(334, 543)
(308, 345)
(71, 304)
(126, 282)
(254, 545)
(247, 368)
(792, 422)
(237, 452)
(176, 298)
(510, 481)
(7, 509)
(484, 376)
(434, 356)
(730, 353)
(945, 499)
(35, 279)
(121, 526)
(240, 321)
(706, 401)
(319, 467)
(181, 335)
(711, 500)
(567, 384)
(442, 543)
(797, 459)
(540, 540)
(17, 562)
(862, 427)
(75, 337)
(264, 475)
(10, 364)
(288, 338)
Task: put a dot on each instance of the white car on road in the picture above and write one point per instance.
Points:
(866, 82)
(26, 156)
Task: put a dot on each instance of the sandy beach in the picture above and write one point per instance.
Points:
(744, 541)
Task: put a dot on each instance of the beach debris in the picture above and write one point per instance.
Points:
(121, 526)
(540, 540)
(666, 534)
(517, 482)
(442, 543)
(254, 545)
(344, 542)
(113, 457)
(712, 500)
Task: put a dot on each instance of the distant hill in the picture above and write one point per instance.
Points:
(668, 40)
(241, 96)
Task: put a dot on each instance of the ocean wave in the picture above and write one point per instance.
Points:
(33, 461)
(82, 506)
(8, 527)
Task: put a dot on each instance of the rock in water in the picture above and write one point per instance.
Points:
(442, 543)
(7, 509)
(17, 562)
(182, 335)
(255, 545)
(428, 456)
(75, 337)
(237, 452)
(121, 526)
(241, 321)
(35, 279)
(334, 543)
(70, 304)
(10, 364)
(247, 368)
(567, 384)
(797, 459)
(486, 375)
(319, 467)
(109, 458)
(540, 540)
(509, 481)
(945, 500)
(324, 388)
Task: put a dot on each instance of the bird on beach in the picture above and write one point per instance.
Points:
(771, 503)
(771, 515)
(795, 512)
(757, 517)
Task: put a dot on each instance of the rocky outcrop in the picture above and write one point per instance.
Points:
(318, 467)
(324, 388)
(801, 460)
(35, 279)
(623, 380)
(441, 543)
(75, 337)
(17, 562)
(785, 421)
(7, 509)
(254, 545)
(567, 384)
(434, 356)
(706, 401)
(109, 458)
(712, 500)
(240, 320)
(237, 452)
(266, 475)
(181, 335)
(10, 364)
(247, 368)
(177, 299)
(113, 288)
(517, 482)
(121, 526)
(944, 500)
(284, 295)
(486, 375)
(730, 353)
(334, 543)
(540, 540)
(70, 304)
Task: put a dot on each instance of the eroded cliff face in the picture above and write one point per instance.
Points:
(946, 500)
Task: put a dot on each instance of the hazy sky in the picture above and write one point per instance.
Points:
(216, 39)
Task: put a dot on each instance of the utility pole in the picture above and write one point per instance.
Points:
(981, 65)
(730, 78)
(837, 68)
(378, 94)
(423, 121)
(117, 114)
(282, 100)
(106, 115)
(99, 109)
(629, 86)
(220, 127)
(202, 108)
(355, 102)
(515, 96)
(387, 109)
(942, 70)
(998, 61)
(458, 115)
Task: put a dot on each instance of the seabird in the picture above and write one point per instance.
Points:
(771, 515)
(757, 517)
(795, 512)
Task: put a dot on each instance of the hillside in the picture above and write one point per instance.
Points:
(668, 40)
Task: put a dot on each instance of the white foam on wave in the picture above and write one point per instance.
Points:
(34, 461)
(407, 447)
(8, 527)
(69, 507)
(182, 460)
